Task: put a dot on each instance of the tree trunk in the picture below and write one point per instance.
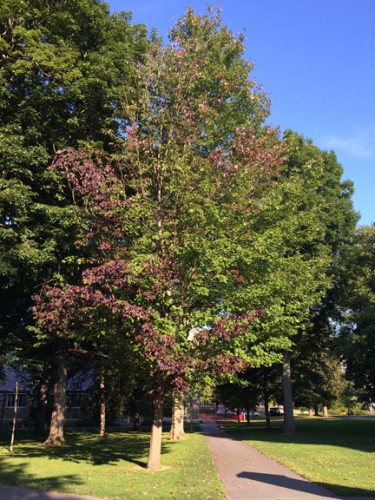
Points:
(248, 413)
(267, 412)
(102, 404)
(325, 411)
(156, 433)
(14, 419)
(266, 398)
(316, 411)
(56, 432)
(288, 426)
(177, 424)
(191, 413)
(40, 423)
(311, 412)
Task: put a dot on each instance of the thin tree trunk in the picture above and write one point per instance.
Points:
(40, 423)
(266, 399)
(156, 433)
(102, 433)
(288, 426)
(14, 419)
(316, 411)
(56, 433)
(325, 411)
(267, 412)
(191, 413)
(177, 424)
(248, 413)
(311, 412)
(181, 416)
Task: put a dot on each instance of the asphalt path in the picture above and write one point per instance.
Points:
(249, 475)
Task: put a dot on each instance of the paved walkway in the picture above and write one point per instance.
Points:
(249, 475)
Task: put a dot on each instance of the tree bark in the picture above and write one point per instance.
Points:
(156, 433)
(325, 411)
(56, 432)
(40, 423)
(102, 433)
(177, 425)
(288, 426)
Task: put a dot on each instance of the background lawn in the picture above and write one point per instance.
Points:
(113, 467)
(337, 453)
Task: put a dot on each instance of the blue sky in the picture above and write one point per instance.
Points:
(316, 61)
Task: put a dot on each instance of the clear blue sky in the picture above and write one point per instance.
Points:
(315, 59)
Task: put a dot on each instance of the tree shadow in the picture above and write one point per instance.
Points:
(87, 446)
(288, 483)
(15, 475)
(302, 486)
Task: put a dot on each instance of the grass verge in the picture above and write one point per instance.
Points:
(337, 453)
(113, 467)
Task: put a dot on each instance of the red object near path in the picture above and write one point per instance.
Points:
(225, 415)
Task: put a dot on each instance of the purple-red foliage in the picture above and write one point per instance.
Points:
(163, 349)
(112, 274)
(227, 327)
(60, 311)
(261, 155)
(94, 186)
(226, 364)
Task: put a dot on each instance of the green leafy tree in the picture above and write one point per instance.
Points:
(170, 251)
(63, 68)
(287, 260)
(317, 369)
(193, 95)
(358, 330)
(337, 220)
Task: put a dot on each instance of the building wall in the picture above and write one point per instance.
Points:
(7, 403)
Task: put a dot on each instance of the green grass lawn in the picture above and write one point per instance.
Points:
(113, 467)
(338, 453)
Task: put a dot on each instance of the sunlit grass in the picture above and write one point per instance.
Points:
(338, 453)
(113, 467)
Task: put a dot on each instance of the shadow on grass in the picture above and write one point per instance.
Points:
(86, 446)
(356, 434)
(15, 475)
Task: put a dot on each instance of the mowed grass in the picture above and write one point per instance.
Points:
(337, 453)
(113, 467)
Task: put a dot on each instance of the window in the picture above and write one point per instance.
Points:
(11, 399)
